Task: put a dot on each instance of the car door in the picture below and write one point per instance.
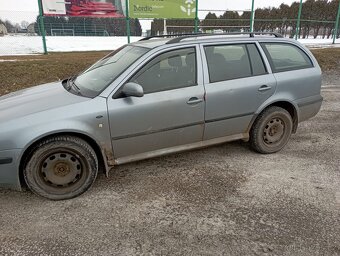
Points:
(237, 82)
(171, 112)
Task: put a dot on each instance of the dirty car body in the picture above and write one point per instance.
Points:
(152, 98)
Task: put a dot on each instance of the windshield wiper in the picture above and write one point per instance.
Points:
(72, 85)
(69, 82)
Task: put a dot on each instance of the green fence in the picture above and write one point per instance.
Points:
(62, 26)
(286, 27)
(292, 23)
(301, 20)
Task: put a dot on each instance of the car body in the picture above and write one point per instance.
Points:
(204, 90)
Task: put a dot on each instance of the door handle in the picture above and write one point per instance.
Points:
(264, 88)
(194, 100)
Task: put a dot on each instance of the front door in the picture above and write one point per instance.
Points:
(171, 112)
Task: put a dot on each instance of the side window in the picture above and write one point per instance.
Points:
(285, 57)
(168, 71)
(256, 60)
(227, 62)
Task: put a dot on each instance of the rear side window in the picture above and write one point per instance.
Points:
(285, 57)
(226, 62)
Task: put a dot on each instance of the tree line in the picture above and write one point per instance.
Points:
(317, 19)
(14, 27)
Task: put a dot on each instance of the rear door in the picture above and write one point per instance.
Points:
(237, 81)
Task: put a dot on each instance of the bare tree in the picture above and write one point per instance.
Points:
(24, 24)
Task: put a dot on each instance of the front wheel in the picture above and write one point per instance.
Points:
(61, 167)
(271, 130)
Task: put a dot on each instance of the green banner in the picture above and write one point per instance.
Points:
(169, 9)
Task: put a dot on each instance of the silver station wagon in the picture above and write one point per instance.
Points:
(155, 97)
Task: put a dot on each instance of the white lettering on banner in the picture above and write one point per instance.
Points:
(54, 7)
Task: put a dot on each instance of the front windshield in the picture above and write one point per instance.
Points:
(96, 78)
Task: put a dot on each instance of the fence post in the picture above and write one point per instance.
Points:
(84, 27)
(196, 17)
(128, 30)
(336, 25)
(42, 26)
(252, 16)
(165, 31)
(297, 31)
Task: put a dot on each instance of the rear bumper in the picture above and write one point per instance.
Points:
(309, 107)
(9, 169)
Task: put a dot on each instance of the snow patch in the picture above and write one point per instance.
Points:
(4, 60)
(26, 45)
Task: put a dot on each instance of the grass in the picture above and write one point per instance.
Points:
(328, 58)
(27, 71)
(32, 70)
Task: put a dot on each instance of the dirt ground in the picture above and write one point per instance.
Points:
(223, 200)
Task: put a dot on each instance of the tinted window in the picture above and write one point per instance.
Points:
(227, 62)
(284, 57)
(168, 71)
(256, 60)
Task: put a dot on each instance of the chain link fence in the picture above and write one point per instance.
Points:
(286, 27)
(21, 32)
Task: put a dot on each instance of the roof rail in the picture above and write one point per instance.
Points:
(251, 34)
(170, 35)
(179, 37)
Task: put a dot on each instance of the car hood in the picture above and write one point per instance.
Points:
(36, 99)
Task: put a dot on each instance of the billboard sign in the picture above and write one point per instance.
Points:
(171, 9)
(83, 8)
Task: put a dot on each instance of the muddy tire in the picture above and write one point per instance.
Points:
(271, 130)
(61, 167)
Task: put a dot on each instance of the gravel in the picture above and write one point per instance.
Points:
(223, 200)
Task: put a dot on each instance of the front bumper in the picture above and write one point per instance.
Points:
(9, 169)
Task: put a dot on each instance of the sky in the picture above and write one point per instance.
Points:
(19, 10)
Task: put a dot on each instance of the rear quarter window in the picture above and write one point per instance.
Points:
(286, 57)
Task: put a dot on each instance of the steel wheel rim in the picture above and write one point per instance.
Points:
(274, 131)
(61, 171)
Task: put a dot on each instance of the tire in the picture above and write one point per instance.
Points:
(61, 167)
(271, 130)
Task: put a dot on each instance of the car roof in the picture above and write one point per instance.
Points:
(152, 43)
(155, 41)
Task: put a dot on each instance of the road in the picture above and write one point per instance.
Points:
(223, 200)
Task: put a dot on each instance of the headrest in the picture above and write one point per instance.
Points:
(190, 59)
(175, 61)
(217, 58)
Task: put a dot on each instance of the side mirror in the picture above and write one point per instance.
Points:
(133, 90)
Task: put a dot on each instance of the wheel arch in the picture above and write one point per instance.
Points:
(102, 162)
(289, 106)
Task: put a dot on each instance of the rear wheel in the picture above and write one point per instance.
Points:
(61, 167)
(271, 130)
